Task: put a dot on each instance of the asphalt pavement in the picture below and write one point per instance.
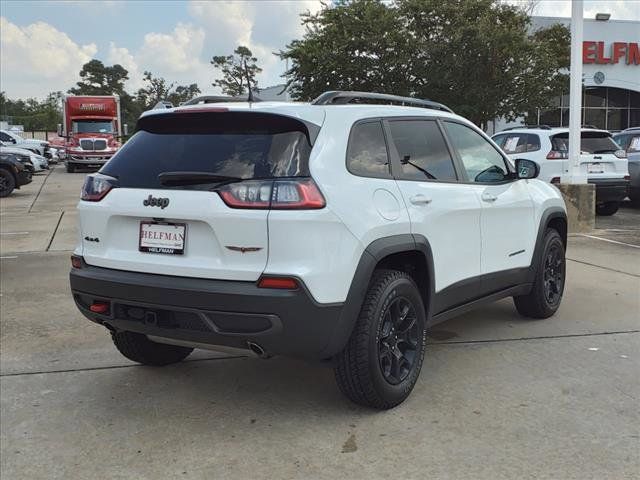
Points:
(499, 397)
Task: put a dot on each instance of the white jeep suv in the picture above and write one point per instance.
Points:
(325, 231)
(601, 159)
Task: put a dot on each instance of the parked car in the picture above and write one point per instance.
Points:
(321, 231)
(13, 174)
(40, 147)
(629, 141)
(601, 160)
(55, 155)
(38, 163)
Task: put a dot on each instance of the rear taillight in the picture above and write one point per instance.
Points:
(284, 194)
(557, 155)
(627, 177)
(96, 187)
(620, 153)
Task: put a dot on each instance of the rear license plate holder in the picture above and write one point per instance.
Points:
(162, 237)
(595, 168)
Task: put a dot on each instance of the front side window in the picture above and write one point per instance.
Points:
(367, 151)
(422, 150)
(482, 162)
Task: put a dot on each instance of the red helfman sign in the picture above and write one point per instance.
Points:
(594, 52)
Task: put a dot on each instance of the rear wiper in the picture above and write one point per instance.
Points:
(193, 178)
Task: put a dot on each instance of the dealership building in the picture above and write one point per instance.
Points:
(611, 77)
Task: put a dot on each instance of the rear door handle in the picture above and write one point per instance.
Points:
(488, 197)
(420, 200)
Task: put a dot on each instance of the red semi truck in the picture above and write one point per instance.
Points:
(91, 130)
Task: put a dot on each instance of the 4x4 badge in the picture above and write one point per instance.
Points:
(155, 202)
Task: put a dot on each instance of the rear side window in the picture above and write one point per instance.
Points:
(520, 143)
(367, 151)
(590, 142)
(422, 150)
(230, 144)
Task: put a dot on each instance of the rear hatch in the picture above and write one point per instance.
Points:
(600, 155)
(191, 193)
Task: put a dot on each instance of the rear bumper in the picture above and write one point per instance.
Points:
(610, 190)
(213, 312)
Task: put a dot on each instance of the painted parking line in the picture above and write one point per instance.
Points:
(610, 241)
(8, 258)
(14, 233)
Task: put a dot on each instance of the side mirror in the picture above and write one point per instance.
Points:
(60, 132)
(526, 168)
(125, 130)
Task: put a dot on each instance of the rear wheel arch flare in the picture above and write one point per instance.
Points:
(409, 253)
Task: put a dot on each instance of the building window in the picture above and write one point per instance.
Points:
(603, 107)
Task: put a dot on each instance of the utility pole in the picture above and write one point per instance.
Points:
(573, 174)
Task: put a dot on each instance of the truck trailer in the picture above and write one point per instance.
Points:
(91, 130)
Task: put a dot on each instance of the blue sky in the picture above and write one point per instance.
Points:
(43, 44)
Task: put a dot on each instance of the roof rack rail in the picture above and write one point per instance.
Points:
(541, 127)
(337, 97)
(220, 99)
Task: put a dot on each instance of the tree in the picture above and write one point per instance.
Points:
(183, 93)
(359, 45)
(157, 89)
(98, 79)
(32, 114)
(238, 71)
(476, 56)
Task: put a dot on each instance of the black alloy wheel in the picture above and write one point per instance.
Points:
(548, 282)
(7, 183)
(553, 276)
(381, 362)
(398, 344)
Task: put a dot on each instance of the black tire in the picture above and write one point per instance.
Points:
(365, 370)
(71, 168)
(548, 286)
(7, 182)
(606, 209)
(140, 349)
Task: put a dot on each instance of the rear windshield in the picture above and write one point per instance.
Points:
(590, 142)
(230, 144)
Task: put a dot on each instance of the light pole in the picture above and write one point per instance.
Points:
(573, 174)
